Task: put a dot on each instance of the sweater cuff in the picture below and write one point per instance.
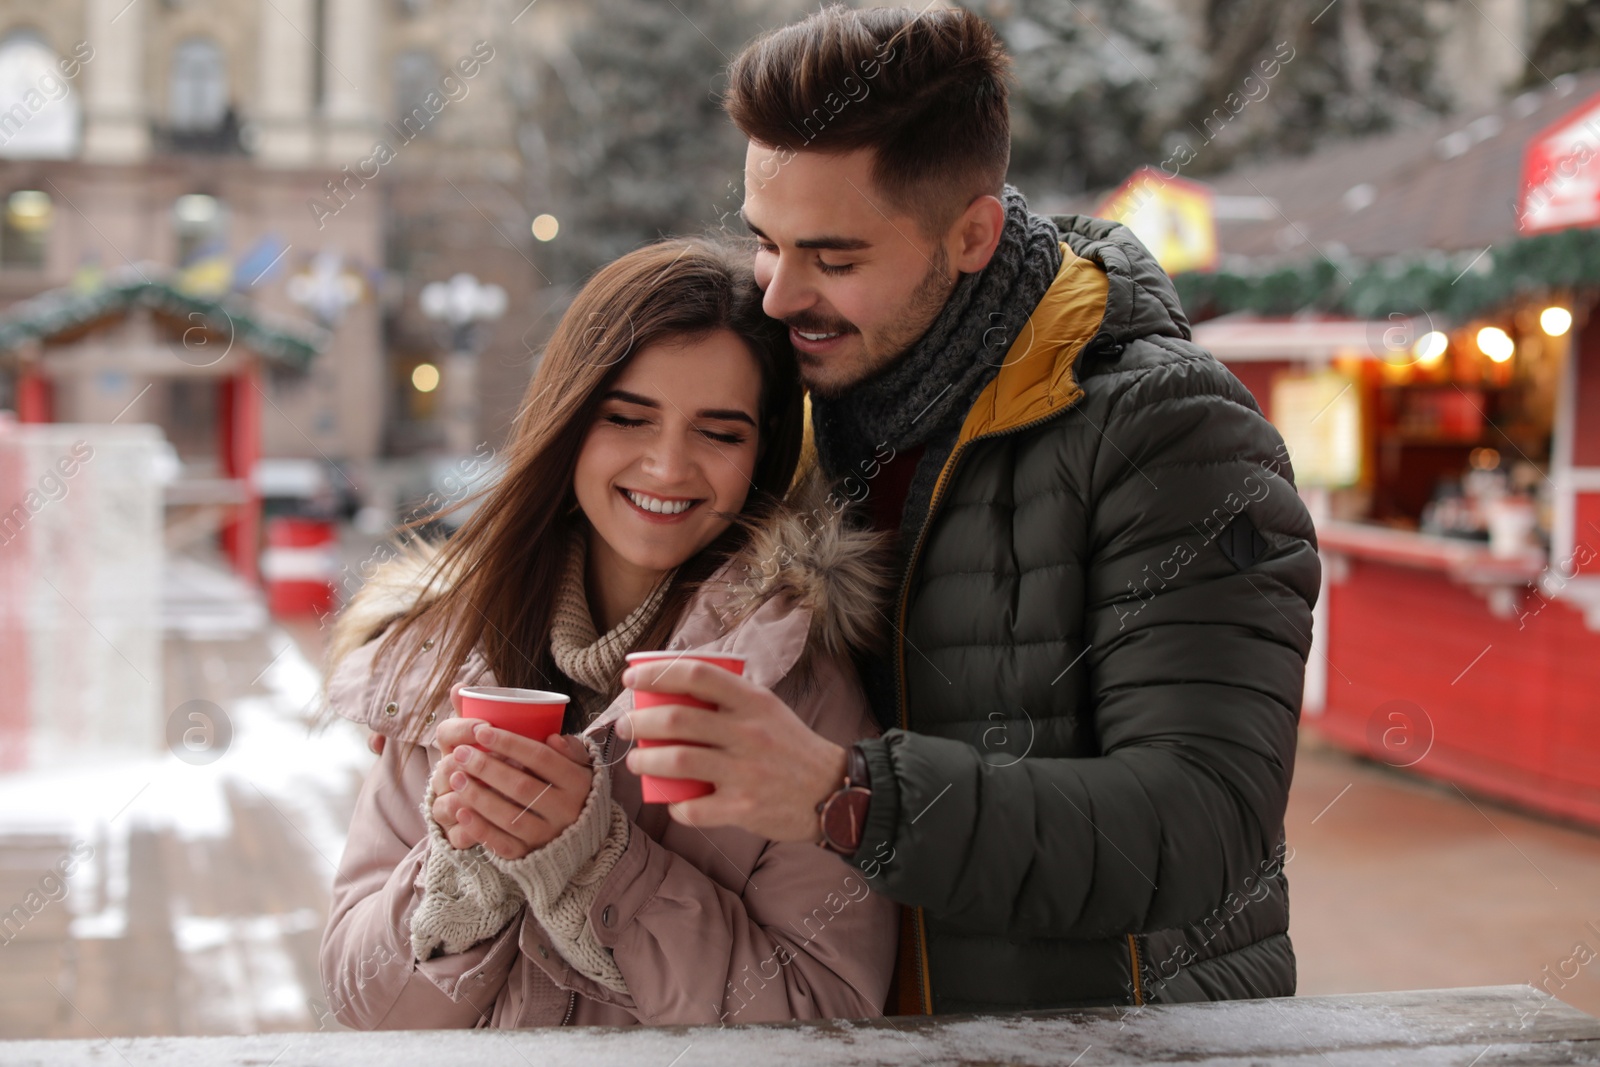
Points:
(465, 900)
(561, 879)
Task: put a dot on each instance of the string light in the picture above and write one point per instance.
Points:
(1496, 343)
(1555, 320)
(1430, 348)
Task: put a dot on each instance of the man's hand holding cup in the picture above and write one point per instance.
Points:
(767, 769)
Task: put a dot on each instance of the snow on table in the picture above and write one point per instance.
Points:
(1458, 1027)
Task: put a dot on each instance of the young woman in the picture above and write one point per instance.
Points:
(495, 880)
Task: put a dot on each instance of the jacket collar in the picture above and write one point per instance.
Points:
(1036, 379)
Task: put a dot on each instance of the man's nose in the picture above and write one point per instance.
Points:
(786, 294)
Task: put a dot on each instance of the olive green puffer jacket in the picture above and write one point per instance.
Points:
(1102, 642)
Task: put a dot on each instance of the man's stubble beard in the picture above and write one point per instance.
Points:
(922, 307)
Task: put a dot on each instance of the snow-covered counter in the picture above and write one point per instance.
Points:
(1492, 1024)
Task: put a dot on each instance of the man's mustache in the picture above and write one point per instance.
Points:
(814, 324)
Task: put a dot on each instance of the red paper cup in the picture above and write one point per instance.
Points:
(532, 713)
(669, 790)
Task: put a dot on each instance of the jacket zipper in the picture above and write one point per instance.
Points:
(900, 661)
(572, 1006)
(1133, 955)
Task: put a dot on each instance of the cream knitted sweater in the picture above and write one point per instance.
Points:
(469, 895)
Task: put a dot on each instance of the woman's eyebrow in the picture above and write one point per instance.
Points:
(726, 415)
(720, 414)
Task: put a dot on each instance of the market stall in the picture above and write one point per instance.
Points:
(1441, 403)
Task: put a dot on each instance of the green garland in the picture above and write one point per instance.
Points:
(1449, 284)
(59, 310)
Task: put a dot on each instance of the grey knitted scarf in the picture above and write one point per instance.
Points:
(923, 398)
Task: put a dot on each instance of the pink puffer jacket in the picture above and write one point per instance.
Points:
(706, 926)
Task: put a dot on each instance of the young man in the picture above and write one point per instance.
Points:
(1107, 576)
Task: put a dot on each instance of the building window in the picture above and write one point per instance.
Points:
(319, 44)
(39, 114)
(415, 76)
(201, 224)
(199, 100)
(25, 229)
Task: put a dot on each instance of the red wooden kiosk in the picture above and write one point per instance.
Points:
(1458, 634)
(160, 332)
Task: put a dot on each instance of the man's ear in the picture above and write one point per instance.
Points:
(976, 234)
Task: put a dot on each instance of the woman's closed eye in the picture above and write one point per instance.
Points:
(715, 435)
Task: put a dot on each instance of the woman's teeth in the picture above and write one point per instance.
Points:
(661, 507)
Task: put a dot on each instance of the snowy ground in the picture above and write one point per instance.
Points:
(213, 872)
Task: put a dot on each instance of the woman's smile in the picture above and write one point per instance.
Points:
(659, 509)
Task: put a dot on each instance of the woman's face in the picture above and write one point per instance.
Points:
(674, 443)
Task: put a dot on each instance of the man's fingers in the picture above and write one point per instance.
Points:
(679, 722)
(679, 761)
(700, 680)
(701, 811)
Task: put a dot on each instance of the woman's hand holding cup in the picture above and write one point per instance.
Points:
(510, 793)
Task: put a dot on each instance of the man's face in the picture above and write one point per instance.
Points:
(854, 278)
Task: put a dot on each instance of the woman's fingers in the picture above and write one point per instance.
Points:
(445, 807)
(375, 742)
(453, 732)
(480, 831)
(518, 787)
(571, 747)
(534, 822)
(440, 777)
(540, 759)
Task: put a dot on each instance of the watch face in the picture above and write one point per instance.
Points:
(843, 818)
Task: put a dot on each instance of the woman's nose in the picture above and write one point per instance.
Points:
(668, 461)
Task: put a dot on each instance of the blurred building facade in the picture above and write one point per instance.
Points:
(329, 158)
(323, 159)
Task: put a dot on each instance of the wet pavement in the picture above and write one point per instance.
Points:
(1398, 882)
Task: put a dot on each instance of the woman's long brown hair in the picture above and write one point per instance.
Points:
(503, 567)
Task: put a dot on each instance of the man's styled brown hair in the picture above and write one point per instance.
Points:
(925, 91)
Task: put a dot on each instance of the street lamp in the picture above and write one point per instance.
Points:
(325, 288)
(462, 307)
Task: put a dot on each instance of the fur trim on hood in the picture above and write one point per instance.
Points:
(803, 550)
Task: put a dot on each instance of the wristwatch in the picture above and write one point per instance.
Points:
(842, 814)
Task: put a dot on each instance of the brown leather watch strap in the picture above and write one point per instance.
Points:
(842, 814)
(856, 767)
